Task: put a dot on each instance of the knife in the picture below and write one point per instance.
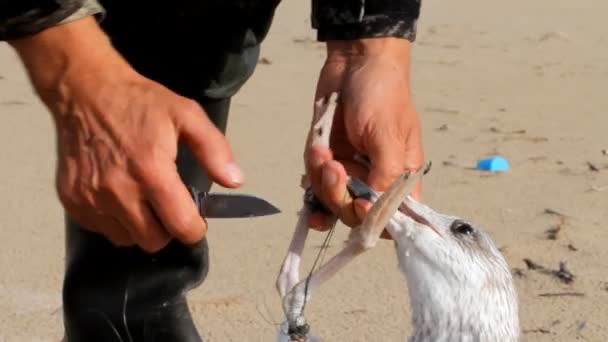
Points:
(231, 205)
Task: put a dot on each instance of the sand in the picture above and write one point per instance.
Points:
(526, 79)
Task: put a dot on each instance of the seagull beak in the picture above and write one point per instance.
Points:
(420, 213)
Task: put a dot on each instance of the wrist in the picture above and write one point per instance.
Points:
(369, 47)
(67, 54)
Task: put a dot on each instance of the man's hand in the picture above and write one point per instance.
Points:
(117, 135)
(375, 117)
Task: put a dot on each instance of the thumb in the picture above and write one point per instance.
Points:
(209, 146)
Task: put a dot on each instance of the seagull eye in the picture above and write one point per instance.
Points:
(461, 228)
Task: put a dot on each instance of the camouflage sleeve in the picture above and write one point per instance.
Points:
(19, 18)
(89, 7)
(355, 19)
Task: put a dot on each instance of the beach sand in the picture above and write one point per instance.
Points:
(524, 79)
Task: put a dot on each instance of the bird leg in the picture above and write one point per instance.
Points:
(362, 238)
(318, 134)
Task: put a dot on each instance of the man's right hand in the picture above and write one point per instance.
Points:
(117, 135)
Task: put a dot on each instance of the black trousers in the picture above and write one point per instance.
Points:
(204, 50)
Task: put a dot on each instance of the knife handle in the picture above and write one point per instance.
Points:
(196, 196)
(314, 203)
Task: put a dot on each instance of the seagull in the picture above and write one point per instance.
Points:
(459, 284)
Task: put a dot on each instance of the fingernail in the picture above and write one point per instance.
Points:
(329, 178)
(362, 207)
(235, 173)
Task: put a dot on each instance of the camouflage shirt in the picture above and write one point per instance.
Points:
(333, 19)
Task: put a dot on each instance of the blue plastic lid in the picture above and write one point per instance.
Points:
(493, 163)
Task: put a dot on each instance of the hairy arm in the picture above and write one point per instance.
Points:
(117, 131)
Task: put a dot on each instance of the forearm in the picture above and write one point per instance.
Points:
(63, 58)
(355, 19)
(22, 18)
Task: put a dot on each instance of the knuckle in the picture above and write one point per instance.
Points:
(151, 238)
(185, 109)
(190, 230)
(115, 239)
(190, 106)
(315, 156)
(119, 241)
(182, 226)
(153, 245)
(151, 248)
(117, 235)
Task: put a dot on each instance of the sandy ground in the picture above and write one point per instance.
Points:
(526, 79)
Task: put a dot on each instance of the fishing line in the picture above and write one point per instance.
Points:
(265, 316)
(320, 256)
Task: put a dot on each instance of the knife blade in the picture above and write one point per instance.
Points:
(231, 205)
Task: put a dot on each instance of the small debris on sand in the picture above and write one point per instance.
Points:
(13, 103)
(534, 140)
(563, 274)
(537, 158)
(580, 326)
(598, 188)
(562, 294)
(443, 110)
(443, 127)
(550, 211)
(531, 265)
(553, 232)
(553, 35)
(518, 272)
(355, 311)
(537, 331)
(265, 61)
(592, 167)
(494, 129)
